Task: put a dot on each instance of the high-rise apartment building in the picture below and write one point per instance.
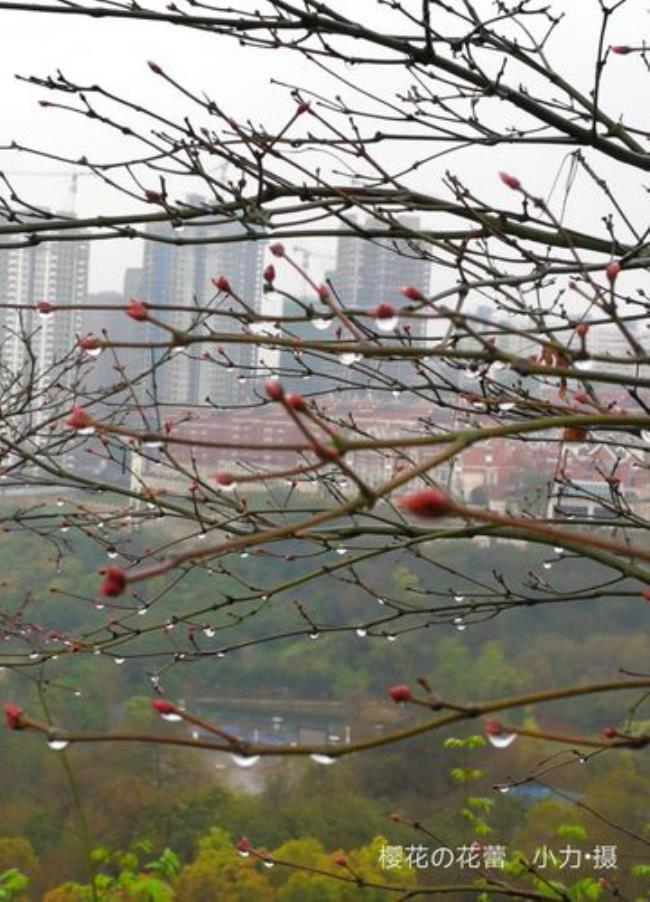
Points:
(371, 271)
(56, 272)
(181, 275)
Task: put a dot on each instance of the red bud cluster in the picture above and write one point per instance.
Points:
(114, 581)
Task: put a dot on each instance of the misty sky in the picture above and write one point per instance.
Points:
(115, 53)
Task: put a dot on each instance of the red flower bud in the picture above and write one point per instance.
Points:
(13, 717)
(383, 311)
(341, 861)
(610, 732)
(114, 582)
(155, 68)
(274, 390)
(400, 693)
(168, 424)
(645, 593)
(621, 50)
(277, 249)
(89, 343)
(303, 107)
(493, 727)
(243, 845)
(44, 307)
(323, 293)
(612, 271)
(297, 402)
(427, 503)
(581, 398)
(574, 434)
(221, 283)
(79, 419)
(582, 329)
(154, 197)
(269, 273)
(412, 293)
(136, 309)
(510, 181)
(223, 479)
(163, 707)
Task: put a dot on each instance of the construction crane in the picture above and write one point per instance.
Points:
(307, 255)
(53, 174)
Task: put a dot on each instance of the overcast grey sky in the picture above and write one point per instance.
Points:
(114, 53)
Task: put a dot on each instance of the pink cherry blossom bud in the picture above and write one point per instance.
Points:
(221, 283)
(269, 273)
(44, 307)
(412, 293)
(223, 479)
(79, 419)
(168, 424)
(427, 503)
(297, 402)
(277, 249)
(114, 581)
(621, 50)
(323, 292)
(243, 845)
(610, 732)
(13, 717)
(582, 329)
(383, 311)
(400, 693)
(581, 398)
(493, 727)
(612, 271)
(154, 197)
(136, 309)
(274, 390)
(163, 707)
(89, 343)
(646, 594)
(510, 181)
(155, 68)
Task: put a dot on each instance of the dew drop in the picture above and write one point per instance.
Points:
(503, 789)
(558, 549)
(547, 565)
(93, 352)
(506, 406)
(60, 502)
(501, 740)
(209, 631)
(268, 864)
(87, 430)
(459, 598)
(314, 635)
(119, 660)
(391, 637)
(348, 358)
(645, 435)
(321, 324)
(386, 323)
(381, 601)
(143, 610)
(99, 606)
(341, 550)
(583, 364)
(112, 554)
(172, 717)
(322, 759)
(245, 760)
(361, 632)
(57, 745)
(459, 623)
(195, 734)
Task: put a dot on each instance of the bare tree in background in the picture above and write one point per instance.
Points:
(344, 426)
